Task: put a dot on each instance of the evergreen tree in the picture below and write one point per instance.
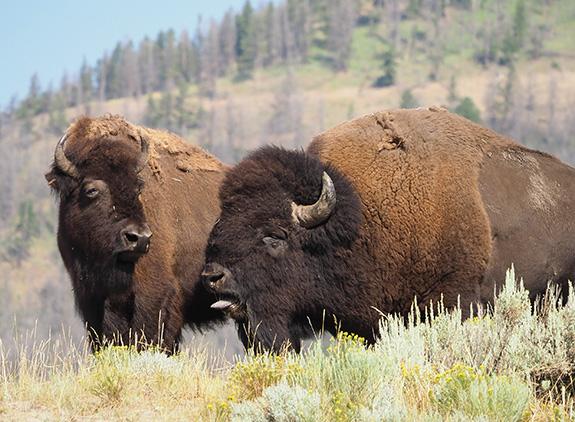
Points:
(186, 118)
(388, 68)
(147, 66)
(57, 122)
(33, 103)
(152, 115)
(102, 77)
(245, 42)
(299, 17)
(515, 38)
(113, 86)
(408, 100)
(86, 82)
(468, 109)
(18, 245)
(272, 37)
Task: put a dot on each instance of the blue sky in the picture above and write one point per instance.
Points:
(51, 37)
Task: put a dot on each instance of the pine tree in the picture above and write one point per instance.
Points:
(245, 42)
(299, 17)
(86, 82)
(57, 121)
(468, 109)
(147, 66)
(186, 118)
(26, 228)
(272, 35)
(515, 38)
(102, 77)
(165, 57)
(152, 115)
(388, 68)
(114, 87)
(33, 101)
(408, 100)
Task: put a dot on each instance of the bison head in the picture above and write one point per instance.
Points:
(287, 222)
(102, 228)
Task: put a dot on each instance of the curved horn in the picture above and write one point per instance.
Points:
(62, 162)
(310, 216)
(145, 146)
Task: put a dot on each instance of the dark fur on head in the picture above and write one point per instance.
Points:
(89, 229)
(270, 256)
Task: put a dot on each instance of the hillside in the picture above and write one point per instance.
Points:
(519, 76)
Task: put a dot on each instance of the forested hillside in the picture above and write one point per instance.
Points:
(281, 73)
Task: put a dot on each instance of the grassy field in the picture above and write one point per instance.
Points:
(505, 364)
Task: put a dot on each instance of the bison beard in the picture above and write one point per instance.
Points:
(99, 282)
(429, 206)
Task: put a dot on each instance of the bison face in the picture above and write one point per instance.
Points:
(101, 218)
(276, 243)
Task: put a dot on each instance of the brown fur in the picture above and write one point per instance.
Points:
(447, 208)
(179, 202)
(429, 205)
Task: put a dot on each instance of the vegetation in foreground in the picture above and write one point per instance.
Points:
(507, 363)
(317, 63)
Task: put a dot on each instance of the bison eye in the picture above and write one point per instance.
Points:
(274, 242)
(91, 192)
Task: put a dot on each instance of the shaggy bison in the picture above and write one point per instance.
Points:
(136, 208)
(379, 210)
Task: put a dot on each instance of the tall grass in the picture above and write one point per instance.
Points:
(508, 363)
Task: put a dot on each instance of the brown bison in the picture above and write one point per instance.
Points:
(380, 210)
(136, 208)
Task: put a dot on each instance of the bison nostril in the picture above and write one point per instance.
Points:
(214, 277)
(132, 237)
(211, 278)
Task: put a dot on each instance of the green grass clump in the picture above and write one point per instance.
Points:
(475, 394)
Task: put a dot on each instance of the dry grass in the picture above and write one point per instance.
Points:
(507, 364)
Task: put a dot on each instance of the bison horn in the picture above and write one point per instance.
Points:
(62, 162)
(310, 216)
(145, 145)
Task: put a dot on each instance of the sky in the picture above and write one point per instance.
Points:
(53, 37)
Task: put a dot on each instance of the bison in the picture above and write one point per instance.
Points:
(378, 211)
(136, 206)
